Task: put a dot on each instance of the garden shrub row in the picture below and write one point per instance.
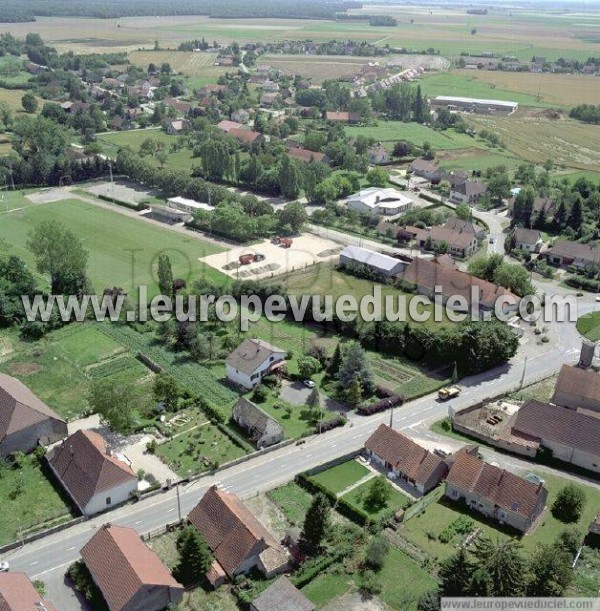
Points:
(119, 202)
(381, 406)
(587, 284)
(327, 425)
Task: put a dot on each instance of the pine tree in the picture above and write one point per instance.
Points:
(576, 217)
(314, 399)
(316, 521)
(335, 362)
(560, 218)
(165, 275)
(290, 181)
(195, 556)
(354, 392)
(419, 107)
(455, 574)
(505, 565)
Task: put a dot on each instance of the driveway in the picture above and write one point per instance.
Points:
(297, 393)
(61, 593)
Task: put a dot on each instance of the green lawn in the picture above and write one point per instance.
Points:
(453, 84)
(295, 424)
(481, 161)
(185, 452)
(30, 501)
(396, 501)
(425, 528)
(123, 250)
(589, 326)
(327, 586)
(59, 367)
(389, 132)
(293, 502)
(338, 478)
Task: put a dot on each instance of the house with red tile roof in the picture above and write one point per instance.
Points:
(303, 154)
(25, 420)
(129, 574)
(494, 492)
(238, 541)
(577, 387)
(90, 473)
(18, 594)
(405, 458)
(245, 136)
(342, 117)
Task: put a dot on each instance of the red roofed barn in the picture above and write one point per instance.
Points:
(130, 576)
(25, 420)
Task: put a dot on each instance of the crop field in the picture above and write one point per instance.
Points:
(556, 89)
(317, 67)
(389, 132)
(123, 250)
(60, 367)
(534, 136)
(470, 159)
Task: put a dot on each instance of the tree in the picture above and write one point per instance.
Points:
(115, 402)
(378, 494)
(195, 557)
(289, 178)
(377, 177)
(215, 159)
(335, 361)
(293, 217)
(569, 503)
(59, 253)
(354, 392)
(29, 103)
(162, 157)
(376, 553)
(499, 186)
(355, 365)
(427, 151)
(560, 218)
(551, 571)
(316, 521)
(455, 574)
(503, 562)
(166, 389)
(308, 366)
(420, 113)
(575, 221)
(430, 601)
(369, 583)
(165, 275)
(314, 399)
(463, 211)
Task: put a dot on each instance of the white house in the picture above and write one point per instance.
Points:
(377, 154)
(377, 200)
(240, 116)
(251, 361)
(92, 476)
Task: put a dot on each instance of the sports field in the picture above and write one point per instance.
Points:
(123, 250)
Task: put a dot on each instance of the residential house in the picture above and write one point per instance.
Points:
(460, 238)
(572, 436)
(408, 233)
(564, 253)
(378, 154)
(462, 226)
(252, 360)
(262, 429)
(282, 595)
(463, 291)
(238, 541)
(263, 68)
(173, 128)
(387, 229)
(17, 593)
(494, 492)
(245, 136)
(406, 459)
(270, 86)
(342, 117)
(468, 192)
(226, 125)
(302, 154)
(118, 123)
(180, 107)
(377, 200)
(240, 116)
(529, 240)
(353, 257)
(425, 168)
(224, 61)
(577, 388)
(129, 574)
(93, 477)
(25, 420)
(267, 100)
(211, 89)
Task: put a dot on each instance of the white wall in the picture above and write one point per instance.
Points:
(118, 494)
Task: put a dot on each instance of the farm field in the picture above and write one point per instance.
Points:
(469, 159)
(467, 83)
(317, 67)
(533, 136)
(13, 98)
(60, 367)
(30, 501)
(557, 89)
(111, 238)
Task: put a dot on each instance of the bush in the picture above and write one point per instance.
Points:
(151, 446)
(327, 425)
(569, 504)
(260, 394)
(369, 583)
(587, 284)
(381, 406)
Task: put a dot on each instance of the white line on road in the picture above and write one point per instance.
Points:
(34, 562)
(138, 522)
(70, 548)
(333, 445)
(170, 510)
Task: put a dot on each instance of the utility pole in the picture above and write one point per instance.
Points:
(523, 375)
(178, 501)
(392, 417)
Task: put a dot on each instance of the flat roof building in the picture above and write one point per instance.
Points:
(475, 104)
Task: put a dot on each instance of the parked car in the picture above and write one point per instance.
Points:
(309, 383)
(448, 393)
(4, 566)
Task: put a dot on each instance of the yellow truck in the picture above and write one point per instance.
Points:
(449, 392)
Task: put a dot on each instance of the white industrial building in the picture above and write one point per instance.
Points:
(377, 200)
(188, 205)
(475, 104)
(354, 256)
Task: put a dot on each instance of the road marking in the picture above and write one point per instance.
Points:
(333, 445)
(170, 510)
(308, 455)
(356, 436)
(34, 563)
(138, 522)
(282, 465)
(70, 548)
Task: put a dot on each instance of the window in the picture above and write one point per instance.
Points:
(108, 501)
